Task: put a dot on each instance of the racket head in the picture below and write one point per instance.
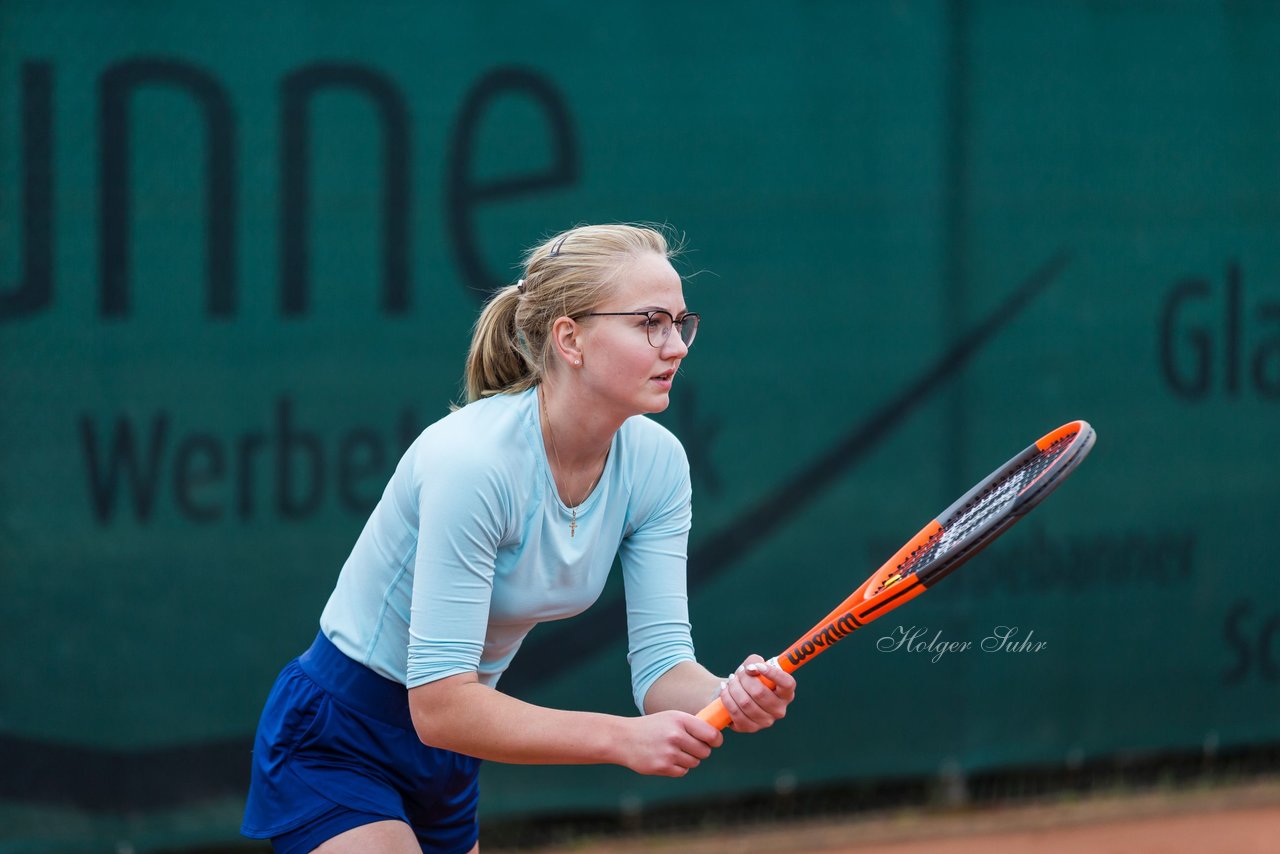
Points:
(978, 517)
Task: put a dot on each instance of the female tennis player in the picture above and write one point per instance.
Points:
(506, 513)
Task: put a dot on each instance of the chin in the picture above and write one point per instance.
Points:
(659, 405)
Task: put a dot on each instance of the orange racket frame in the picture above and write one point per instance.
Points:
(1018, 486)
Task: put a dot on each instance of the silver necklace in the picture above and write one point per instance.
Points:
(573, 508)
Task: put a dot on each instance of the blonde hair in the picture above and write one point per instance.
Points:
(566, 276)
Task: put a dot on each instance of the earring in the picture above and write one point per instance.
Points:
(577, 361)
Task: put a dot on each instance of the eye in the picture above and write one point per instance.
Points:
(654, 322)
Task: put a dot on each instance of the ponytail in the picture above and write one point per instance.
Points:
(497, 363)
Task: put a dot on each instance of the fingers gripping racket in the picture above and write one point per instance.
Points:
(961, 531)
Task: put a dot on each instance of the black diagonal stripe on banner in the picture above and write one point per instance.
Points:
(543, 656)
(45, 772)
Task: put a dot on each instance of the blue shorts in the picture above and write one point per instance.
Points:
(336, 749)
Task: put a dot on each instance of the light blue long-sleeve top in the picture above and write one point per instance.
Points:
(469, 548)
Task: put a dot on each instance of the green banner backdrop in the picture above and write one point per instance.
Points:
(241, 247)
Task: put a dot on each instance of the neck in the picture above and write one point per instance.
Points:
(579, 432)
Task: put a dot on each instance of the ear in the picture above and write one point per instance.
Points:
(565, 341)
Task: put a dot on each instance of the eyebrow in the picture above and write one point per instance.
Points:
(664, 308)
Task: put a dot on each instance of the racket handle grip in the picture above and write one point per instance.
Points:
(718, 716)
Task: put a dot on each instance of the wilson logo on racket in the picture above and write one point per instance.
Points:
(960, 532)
(820, 640)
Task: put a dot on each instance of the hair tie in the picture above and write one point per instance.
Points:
(520, 286)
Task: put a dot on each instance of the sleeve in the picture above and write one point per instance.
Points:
(654, 559)
(462, 506)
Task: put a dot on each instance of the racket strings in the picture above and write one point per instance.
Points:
(988, 503)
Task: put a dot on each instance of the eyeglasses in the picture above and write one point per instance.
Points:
(658, 324)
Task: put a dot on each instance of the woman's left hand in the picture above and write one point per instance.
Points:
(752, 704)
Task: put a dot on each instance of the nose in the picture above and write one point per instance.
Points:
(674, 347)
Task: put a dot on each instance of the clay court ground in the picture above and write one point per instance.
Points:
(1243, 819)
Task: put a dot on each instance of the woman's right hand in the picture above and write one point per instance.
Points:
(668, 744)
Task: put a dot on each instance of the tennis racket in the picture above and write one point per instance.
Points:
(960, 532)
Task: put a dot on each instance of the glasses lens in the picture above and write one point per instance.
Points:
(659, 328)
(688, 329)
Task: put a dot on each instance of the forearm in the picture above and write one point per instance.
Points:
(688, 687)
(460, 714)
(753, 704)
